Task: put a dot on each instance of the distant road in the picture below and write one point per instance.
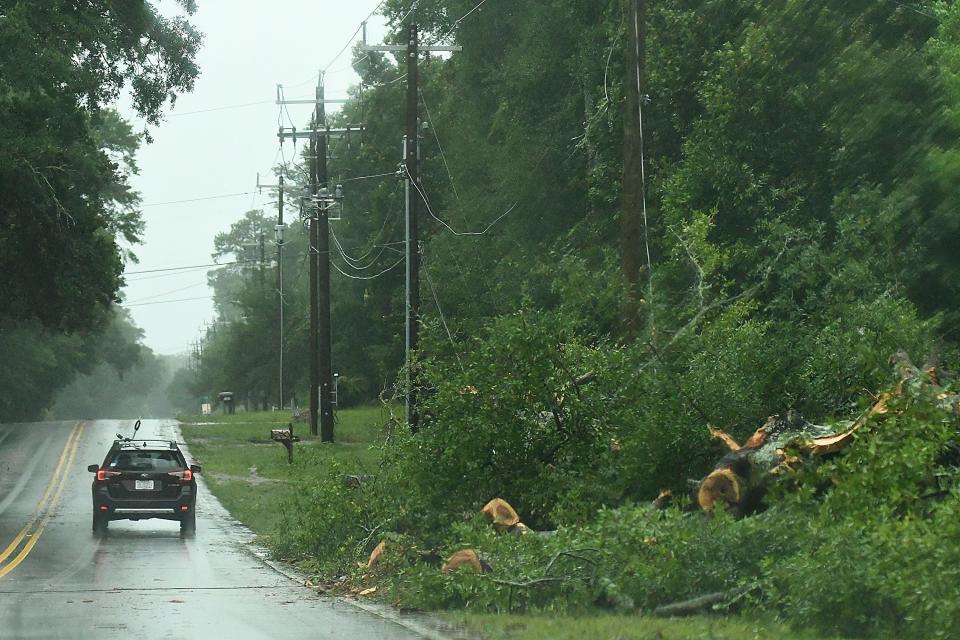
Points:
(142, 580)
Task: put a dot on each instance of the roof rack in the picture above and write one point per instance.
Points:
(143, 443)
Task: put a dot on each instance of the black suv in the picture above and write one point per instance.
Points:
(142, 479)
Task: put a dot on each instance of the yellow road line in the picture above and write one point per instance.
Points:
(44, 509)
(43, 500)
(46, 518)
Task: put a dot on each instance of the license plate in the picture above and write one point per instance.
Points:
(143, 484)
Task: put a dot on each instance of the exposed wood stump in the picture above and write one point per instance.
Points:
(501, 515)
(465, 558)
(376, 556)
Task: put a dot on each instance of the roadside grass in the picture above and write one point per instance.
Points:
(621, 627)
(249, 473)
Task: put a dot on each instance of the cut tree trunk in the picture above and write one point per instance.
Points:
(738, 481)
(740, 478)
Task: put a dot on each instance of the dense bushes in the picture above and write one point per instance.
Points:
(857, 545)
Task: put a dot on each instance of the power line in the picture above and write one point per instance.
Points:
(915, 9)
(354, 262)
(348, 259)
(283, 105)
(409, 11)
(643, 168)
(343, 273)
(451, 229)
(222, 108)
(144, 304)
(436, 137)
(166, 293)
(347, 44)
(225, 195)
(185, 272)
(359, 27)
(376, 175)
(349, 67)
(384, 84)
(443, 320)
(195, 266)
(459, 20)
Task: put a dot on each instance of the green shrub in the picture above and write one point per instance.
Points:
(322, 520)
(879, 550)
(862, 544)
(849, 353)
(512, 422)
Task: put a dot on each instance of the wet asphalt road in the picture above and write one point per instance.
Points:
(142, 580)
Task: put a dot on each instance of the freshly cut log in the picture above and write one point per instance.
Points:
(738, 480)
(465, 558)
(501, 515)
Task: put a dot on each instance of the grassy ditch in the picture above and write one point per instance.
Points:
(249, 473)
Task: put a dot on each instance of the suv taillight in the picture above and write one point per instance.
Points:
(185, 476)
(103, 474)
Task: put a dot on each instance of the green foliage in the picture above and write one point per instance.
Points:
(861, 546)
(849, 353)
(39, 363)
(880, 554)
(65, 162)
(802, 166)
(323, 518)
(513, 422)
(66, 197)
(78, 375)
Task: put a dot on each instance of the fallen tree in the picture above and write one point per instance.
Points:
(740, 478)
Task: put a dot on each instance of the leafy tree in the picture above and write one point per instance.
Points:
(62, 190)
(64, 164)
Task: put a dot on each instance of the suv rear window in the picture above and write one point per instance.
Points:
(140, 460)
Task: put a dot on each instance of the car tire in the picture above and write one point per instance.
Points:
(100, 523)
(188, 525)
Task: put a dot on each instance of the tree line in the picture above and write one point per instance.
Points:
(798, 170)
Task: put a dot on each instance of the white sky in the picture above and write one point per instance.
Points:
(250, 46)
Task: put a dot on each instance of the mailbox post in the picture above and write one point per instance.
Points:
(286, 438)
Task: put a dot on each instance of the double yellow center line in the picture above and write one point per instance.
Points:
(24, 542)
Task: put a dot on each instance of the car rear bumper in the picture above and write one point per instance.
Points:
(143, 508)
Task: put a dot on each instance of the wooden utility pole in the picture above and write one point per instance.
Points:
(280, 238)
(633, 221)
(314, 283)
(411, 157)
(321, 201)
(323, 279)
(411, 161)
(279, 230)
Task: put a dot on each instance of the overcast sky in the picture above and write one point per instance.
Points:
(250, 46)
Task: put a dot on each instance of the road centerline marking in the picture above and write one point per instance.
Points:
(44, 509)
